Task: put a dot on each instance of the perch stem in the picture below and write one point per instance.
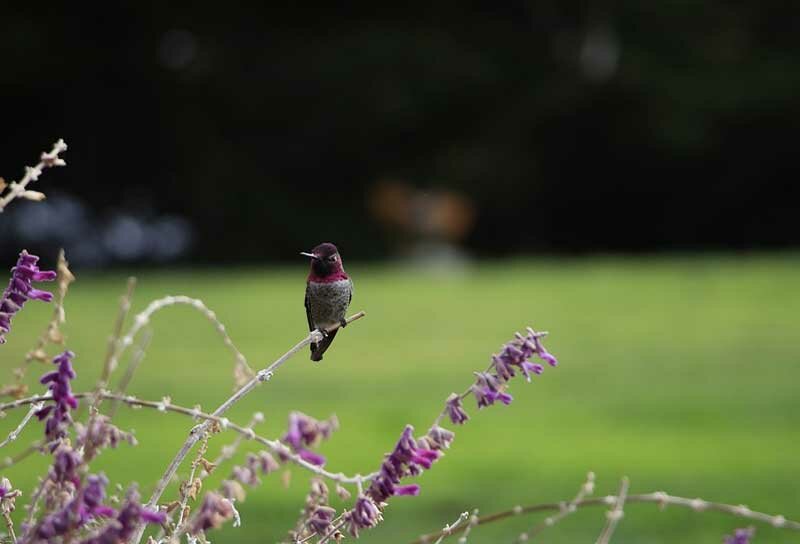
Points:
(197, 432)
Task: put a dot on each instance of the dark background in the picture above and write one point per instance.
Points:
(227, 133)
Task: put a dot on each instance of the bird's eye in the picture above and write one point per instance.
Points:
(332, 258)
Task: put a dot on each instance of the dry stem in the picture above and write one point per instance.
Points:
(660, 498)
(15, 433)
(615, 514)
(566, 509)
(19, 189)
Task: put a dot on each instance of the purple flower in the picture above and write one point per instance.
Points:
(20, 290)
(364, 515)
(489, 389)
(311, 457)
(320, 520)
(540, 351)
(95, 490)
(527, 367)
(66, 462)
(409, 490)
(100, 433)
(305, 431)
(61, 390)
(247, 474)
(436, 439)
(740, 536)
(407, 459)
(455, 410)
(87, 504)
(513, 357)
(267, 462)
(215, 510)
(131, 514)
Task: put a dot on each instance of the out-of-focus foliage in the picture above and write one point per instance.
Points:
(568, 125)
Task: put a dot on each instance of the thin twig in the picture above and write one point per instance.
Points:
(109, 362)
(19, 188)
(615, 514)
(225, 454)
(184, 490)
(225, 424)
(327, 536)
(660, 498)
(143, 318)
(448, 529)
(473, 521)
(138, 354)
(15, 433)
(113, 347)
(7, 505)
(567, 508)
(197, 432)
(36, 446)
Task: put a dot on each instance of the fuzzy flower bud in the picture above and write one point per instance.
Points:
(455, 411)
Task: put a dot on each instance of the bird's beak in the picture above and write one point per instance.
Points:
(304, 254)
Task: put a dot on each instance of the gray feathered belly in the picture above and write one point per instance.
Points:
(328, 302)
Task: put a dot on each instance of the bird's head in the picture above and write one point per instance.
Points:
(325, 260)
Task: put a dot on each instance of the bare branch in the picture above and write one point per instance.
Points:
(660, 498)
(15, 433)
(19, 189)
(615, 514)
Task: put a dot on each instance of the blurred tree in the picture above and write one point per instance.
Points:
(572, 126)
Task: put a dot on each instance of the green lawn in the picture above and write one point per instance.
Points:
(681, 373)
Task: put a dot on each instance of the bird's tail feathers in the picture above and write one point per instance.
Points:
(318, 349)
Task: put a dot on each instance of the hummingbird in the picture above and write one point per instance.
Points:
(329, 291)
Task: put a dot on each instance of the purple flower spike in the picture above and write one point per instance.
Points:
(85, 506)
(741, 536)
(407, 459)
(20, 290)
(58, 415)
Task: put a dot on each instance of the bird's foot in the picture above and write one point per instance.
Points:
(343, 322)
(323, 332)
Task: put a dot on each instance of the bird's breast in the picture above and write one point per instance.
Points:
(328, 301)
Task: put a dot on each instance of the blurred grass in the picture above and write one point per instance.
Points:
(678, 372)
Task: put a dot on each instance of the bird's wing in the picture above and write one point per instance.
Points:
(310, 319)
(308, 312)
(351, 293)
